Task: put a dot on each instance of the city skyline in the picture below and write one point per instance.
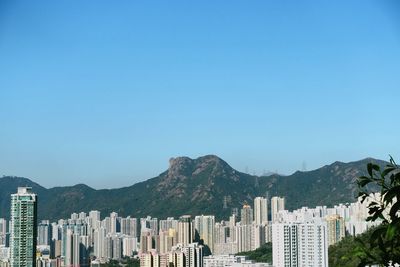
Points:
(301, 236)
(104, 94)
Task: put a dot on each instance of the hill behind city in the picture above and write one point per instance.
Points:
(206, 185)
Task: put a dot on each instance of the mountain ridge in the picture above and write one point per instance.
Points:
(195, 186)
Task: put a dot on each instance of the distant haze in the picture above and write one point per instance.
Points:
(105, 93)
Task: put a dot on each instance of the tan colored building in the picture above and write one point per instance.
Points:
(335, 228)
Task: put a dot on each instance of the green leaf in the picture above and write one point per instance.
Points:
(363, 181)
(387, 170)
(369, 168)
(394, 209)
(390, 232)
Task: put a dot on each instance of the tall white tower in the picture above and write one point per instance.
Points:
(204, 226)
(260, 210)
(185, 230)
(303, 243)
(277, 204)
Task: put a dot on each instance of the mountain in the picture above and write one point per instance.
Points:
(195, 186)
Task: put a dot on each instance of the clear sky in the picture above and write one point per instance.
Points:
(105, 92)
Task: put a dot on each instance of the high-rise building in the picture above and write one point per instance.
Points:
(117, 247)
(246, 215)
(260, 210)
(193, 255)
(169, 223)
(204, 226)
(84, 250)
(146, 240)
(75, 249)
(244, 234)
(129, 226)
(125, 226)
(133, 226)
(23, 228)
(166, 238)
(336, 228)
(67, 246)
(129, 245)
(55, 232)
(3, 226)
(232, 224)
(3, 231)
(258, 236)
(108, 247)
(284, 248)
(99, 242)
(94, 217)
(277, 204)
(149, 223)
(74, 216)
(44, 233)
(300, 244)
(82, 215)
(113, 222)
(185, 230)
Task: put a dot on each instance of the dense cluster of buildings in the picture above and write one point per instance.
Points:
(299, 238)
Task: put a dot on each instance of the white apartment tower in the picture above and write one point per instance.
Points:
(204, 226)
(3, 226)
(277, 204)
(113, 222)
(94, 217)
(297, 244)
(193, 255)
(260, 210)
(3, 231)
(185, 230)
(246, 215)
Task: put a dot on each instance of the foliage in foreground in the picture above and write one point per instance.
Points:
(350, 250)
(385, 240)
(262, 254)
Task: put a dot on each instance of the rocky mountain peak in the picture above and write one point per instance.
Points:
(180, 166)
(185, 166)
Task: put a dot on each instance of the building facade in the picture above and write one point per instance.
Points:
(260, 210)
(23, 228)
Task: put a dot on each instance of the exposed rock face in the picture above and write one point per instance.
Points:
(179, 166)
(184, 171)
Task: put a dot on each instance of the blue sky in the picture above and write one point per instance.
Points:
(105, 92)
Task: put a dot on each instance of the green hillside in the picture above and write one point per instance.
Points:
(194, 186)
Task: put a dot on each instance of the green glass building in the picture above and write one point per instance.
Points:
(23, 228)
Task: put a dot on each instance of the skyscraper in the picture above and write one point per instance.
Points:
(23, 228)
(94, 216)
(3, 231)
(113, 222)
(204, 226)
(285, 245)
(185, 230)
(335, 228)
(300, 243)
(260, 210)
(277, 204)
(246, 215)
(3, 226)
(44, 233)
